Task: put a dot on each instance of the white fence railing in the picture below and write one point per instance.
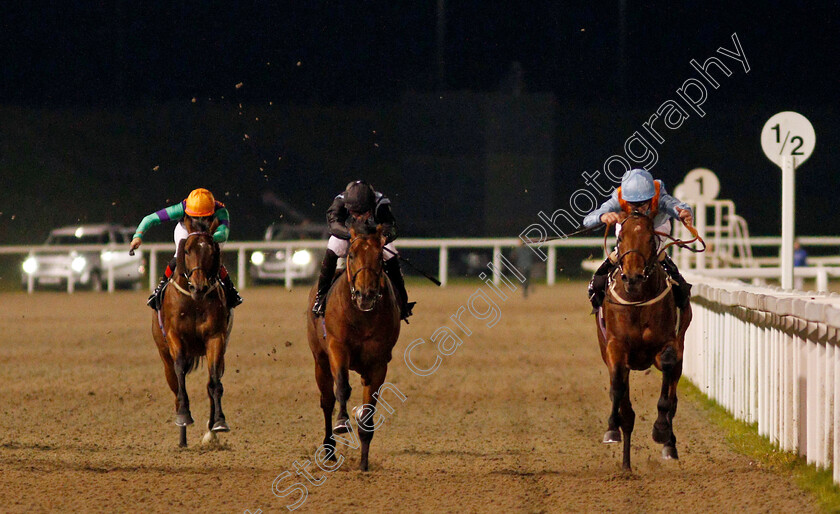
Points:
(770, 357)
(548, 250)
(244, 249)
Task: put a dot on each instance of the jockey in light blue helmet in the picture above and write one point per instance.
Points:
(637, 186)
(639, 191)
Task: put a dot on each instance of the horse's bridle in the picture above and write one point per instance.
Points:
(211, 279)
(355, 294)
(650, 262)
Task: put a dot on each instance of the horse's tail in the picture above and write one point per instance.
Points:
(193, 363)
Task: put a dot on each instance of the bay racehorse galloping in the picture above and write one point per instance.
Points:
(194, 322)
(639, 325)
(358, 332)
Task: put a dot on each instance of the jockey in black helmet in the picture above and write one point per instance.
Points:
(359, 202)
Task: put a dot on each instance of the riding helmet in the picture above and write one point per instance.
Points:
(637, 186)
(200, 203)
(359, 197)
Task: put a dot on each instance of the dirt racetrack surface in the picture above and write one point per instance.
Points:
(512, 421)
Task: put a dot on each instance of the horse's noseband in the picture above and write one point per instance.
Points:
(355, 293)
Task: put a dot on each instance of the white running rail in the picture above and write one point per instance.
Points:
(770, 357)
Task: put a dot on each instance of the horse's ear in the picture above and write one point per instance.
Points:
(352, 232)
(214, 225)
(188, 223)
(622, 216)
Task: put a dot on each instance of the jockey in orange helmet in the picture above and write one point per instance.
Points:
(199, 204)
(639, 191)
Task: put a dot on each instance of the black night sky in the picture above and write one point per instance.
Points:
(623, 55)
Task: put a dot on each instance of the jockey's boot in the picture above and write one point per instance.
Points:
(325, 279)
(156, 299)
(392, 269)
(682, 293)
(598, 284)
(231, 294)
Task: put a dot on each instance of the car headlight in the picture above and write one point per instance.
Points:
(30, 265)
(302, 257)
(78, 264)
(257, 258)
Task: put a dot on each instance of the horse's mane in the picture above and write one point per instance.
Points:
(363, 228)
(200, 224)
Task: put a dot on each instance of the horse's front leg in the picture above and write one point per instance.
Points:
(323, 376)
(670, 362)
(180, 365)
(216, 368)
(618, 379)
(340, 368)
(366, 414)
(622, 414)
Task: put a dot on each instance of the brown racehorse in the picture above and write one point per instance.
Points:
(639, 325)
(358, 332)
(194, 322)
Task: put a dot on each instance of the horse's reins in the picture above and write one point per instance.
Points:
(650, 266)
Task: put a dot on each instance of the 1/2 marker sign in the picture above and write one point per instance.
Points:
(788, 133)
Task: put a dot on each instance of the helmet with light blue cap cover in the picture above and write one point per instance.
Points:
(637, 186)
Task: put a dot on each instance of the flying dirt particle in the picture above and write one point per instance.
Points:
(583, 30)
(237, 371)
(239, 86)
(113, 203)
(247, 137)
(270, 103)
(257, 118)
(91, 393)
(194, 100)
(298, 64)
(288, 344)
(376, 145)
(268, 64)
(156, 168)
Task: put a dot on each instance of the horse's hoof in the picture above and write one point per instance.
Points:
(612, 436)
(342, 426)
(209, 439)
(661, 434)
(183, 420)
(220, 426)
(669, 452)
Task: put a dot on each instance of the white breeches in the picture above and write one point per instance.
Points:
(339, 247)
(181, 234)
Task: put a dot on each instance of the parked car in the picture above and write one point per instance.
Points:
(270, 265)
(87, 268)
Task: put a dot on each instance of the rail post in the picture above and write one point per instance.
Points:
(443, 265)
(551, 265)
(240, 267)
